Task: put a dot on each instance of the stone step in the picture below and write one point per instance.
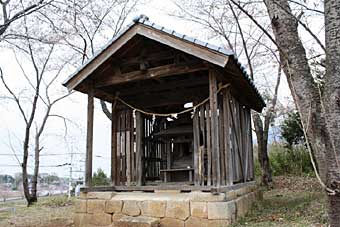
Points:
(140, 221)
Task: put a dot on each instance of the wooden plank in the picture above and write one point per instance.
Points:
(119, 141)
(238, 156)
(123, 144)
(139, 147)
(89, 138)
(204, 145)
(214, 128)
(227, 147)
(196, 147)
(113, 144)
(180, 187)
(152, 73)
(221, 140)
(128, 147)
(208, 123)
(187, 47)
(99, 59)
(132, 136)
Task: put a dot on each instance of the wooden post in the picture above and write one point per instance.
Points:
(208, 144)
(89, 138)
(139, 147)
(227, 147)
(214, 128)
(113, 145)
(196, 147)
(128, 147)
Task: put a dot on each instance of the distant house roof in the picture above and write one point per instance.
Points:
(217, 55)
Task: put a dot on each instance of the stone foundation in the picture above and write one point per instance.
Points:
(163, 208)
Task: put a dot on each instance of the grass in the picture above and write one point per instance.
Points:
(293, 201)
(54, 211)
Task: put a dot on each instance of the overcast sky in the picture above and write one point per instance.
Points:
(55, 144)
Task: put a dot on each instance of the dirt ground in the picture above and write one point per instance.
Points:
(292, 201)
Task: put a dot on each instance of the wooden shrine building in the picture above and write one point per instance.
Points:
(180, 111)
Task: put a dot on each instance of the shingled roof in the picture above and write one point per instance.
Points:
(144, 20)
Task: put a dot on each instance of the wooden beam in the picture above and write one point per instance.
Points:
(139, 147)
(152, 73)
(158, 56)
(214, 128)
(113, 144)
(89, 138)
(182, 188)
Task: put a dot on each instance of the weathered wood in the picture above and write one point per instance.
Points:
(133, 163)
(227, 147)
(221, 139)
(139, 147)
(123, 144)
(214, 128)
(204, 144)
(128, 147)
(119, 141)
(89, 138)
(182, 188)
(208, 123)
(234, 121)
(113, 144)
(196, 148)
(151, 73)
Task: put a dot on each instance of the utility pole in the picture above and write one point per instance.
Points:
(70, 176)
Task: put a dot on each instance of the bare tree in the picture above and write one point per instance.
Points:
(19, 10)
(317, 103)
(227, 22)
(40, 83)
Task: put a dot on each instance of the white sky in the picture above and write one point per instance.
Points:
(75, 109)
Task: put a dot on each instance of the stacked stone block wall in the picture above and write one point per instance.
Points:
(166, 209)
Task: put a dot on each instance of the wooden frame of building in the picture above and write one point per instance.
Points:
(149, 73)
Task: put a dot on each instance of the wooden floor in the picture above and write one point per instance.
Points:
(181, 186)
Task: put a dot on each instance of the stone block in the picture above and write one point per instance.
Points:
(168, 191)
(242, 205)
(177, 209)
(113, 206)
(153, 208)
(197, 222)
(171, 222)
(80, 206)
(199, 209)
(131, 208)
(220, 223)
(100, 219)
(207, 197)
(139, 221)
(117, 216)
(95, 206)
(80, 219)
(221, 210)
(83, 195)
(100, 195)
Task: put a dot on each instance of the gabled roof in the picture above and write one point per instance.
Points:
(142, 26)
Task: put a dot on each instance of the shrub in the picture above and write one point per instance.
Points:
(290, 161)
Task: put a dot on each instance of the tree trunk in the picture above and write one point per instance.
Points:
(25, 183)
(320, 115)
(34, 197)
(331, 102)
(262, 149)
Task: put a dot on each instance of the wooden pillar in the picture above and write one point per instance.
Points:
(113, 145)
(196, 147)
(89, 138)
(214, 128)
(139, 147)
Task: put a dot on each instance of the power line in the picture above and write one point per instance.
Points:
(56, 154)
